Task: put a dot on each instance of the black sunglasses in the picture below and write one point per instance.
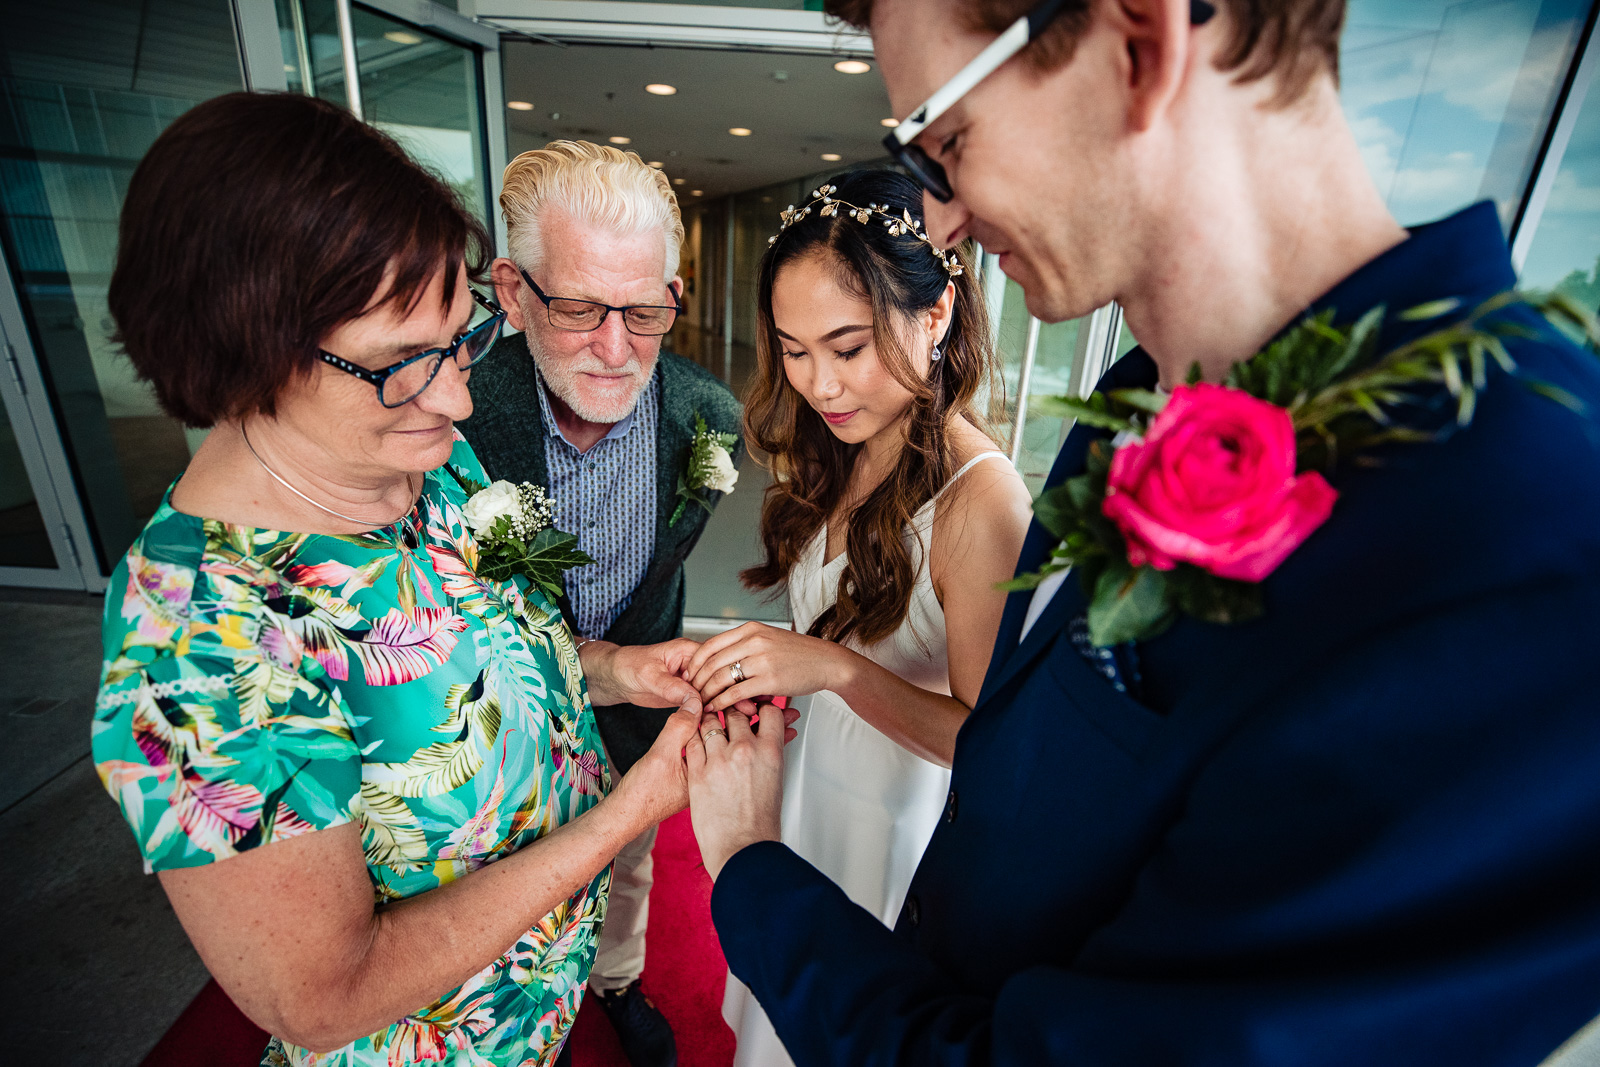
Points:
(586, 316)
(1018, 35)
(400, 383)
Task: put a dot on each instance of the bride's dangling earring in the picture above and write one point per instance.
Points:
(937, 353)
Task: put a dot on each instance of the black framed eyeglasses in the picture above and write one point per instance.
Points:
(1018, 35)
(400, 383)
(585, 316)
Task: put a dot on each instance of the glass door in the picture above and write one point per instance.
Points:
(38, 541)
(85, 87)
(424, 89)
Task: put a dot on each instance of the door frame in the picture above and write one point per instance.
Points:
(44, 458)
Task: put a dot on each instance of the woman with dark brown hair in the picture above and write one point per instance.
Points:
(366, 772)
(891, 521)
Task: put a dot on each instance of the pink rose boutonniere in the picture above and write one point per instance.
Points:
(1202, 495)
(1214, 484)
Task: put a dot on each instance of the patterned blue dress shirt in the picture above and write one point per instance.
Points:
(607, 498)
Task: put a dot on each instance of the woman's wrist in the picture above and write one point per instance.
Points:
(618, 817)
(844, 667)
(598, 658)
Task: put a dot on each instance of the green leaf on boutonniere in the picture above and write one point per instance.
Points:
(542, 560)
(1092, 412)
(1212, 599)
(1059, 510)
(1145, 400)
(1129, 605)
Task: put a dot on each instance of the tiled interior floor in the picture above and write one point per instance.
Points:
(92, 949)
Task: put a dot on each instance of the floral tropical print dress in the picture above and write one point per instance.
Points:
(259, 685)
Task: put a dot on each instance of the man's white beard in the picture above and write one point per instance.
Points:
(564, 377)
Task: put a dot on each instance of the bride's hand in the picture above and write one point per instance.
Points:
(756, 660)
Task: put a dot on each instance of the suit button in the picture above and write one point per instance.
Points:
(912, 913)
(950, 807)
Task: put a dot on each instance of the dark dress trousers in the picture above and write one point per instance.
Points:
(1364, 829)
(506, 431)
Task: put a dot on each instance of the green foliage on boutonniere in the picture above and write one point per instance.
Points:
(1201, 495)
(512, 526)
(710, 467)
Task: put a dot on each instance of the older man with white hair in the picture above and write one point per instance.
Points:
(587, 405)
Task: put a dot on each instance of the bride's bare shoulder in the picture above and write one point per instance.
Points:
(988, 500)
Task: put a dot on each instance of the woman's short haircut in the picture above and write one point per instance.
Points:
(256, 224)
(599, 186)
(1290, 40)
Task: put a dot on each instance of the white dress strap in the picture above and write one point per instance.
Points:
(968, 465)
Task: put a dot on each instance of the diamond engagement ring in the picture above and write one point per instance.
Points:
(737, 672)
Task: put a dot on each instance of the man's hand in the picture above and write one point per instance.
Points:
(647, 675)
(736, 782)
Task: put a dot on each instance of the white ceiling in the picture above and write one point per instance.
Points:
(598, 92)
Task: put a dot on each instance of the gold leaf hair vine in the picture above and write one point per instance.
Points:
(899, 224)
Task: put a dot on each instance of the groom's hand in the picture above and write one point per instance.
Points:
(736, 782)
(647, 675)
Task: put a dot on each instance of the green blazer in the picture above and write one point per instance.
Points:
(506, 431)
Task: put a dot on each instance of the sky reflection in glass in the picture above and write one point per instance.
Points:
(1449, 100)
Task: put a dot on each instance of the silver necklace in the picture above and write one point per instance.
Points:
(279, 479)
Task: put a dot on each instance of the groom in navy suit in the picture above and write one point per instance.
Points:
(1363, 828)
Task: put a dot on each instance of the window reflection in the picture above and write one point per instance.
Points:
(424, 92)
(1449, 100)
(87, 86)
(1566, 248)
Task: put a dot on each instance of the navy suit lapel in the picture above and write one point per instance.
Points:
(1011, 653)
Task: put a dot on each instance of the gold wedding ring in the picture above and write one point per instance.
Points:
(715, 730)
(737, 672)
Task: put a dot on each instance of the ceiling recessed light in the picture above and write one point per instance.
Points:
(290, 68)
(697, 192)
(766, 199)
(831, 157)
(739, 131)
(852, 66)
(620, 140)
(660, 89)
(654, 163)
(891, 123)
(519, 105)
(402, 37)
(679, 181)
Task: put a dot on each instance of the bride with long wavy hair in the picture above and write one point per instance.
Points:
(891, 519)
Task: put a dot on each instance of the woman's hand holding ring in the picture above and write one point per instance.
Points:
(737, 671)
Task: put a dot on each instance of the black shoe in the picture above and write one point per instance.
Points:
(645, 1035)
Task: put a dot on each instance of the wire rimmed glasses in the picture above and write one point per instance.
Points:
(400, 383)
(586, 316)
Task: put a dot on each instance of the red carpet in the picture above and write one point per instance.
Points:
(684, 975)
(684, 970)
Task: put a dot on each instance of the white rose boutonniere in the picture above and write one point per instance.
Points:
(513, 525)
(487, 506)
(710, 468)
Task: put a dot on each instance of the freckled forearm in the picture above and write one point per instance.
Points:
(414, 951)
